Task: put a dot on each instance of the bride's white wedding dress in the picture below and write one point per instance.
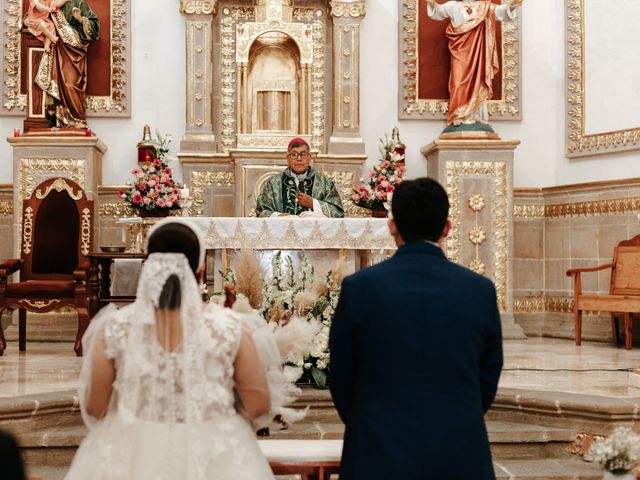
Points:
(171, 413)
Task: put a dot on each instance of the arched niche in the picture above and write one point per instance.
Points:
(274, 90)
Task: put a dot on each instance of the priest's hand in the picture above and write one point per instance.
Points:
(513, 5)
(305, 200)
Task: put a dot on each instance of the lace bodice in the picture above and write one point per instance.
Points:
(204, 361)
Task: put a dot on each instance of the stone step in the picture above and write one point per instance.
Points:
(547, 469)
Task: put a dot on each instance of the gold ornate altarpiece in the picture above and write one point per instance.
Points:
(276, 70)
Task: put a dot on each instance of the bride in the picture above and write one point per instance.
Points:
(160, 377)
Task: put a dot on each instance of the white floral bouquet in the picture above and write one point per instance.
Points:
(619, 453)
(294, 295)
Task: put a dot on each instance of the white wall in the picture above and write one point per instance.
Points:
(158, 97)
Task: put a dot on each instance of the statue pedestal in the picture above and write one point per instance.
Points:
(37, 158)
(478, 176)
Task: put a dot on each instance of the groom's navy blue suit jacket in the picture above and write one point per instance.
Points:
(416, 353)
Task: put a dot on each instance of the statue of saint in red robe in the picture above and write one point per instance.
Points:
(474, 53)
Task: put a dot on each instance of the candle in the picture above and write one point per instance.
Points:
(184, 193)
(87, 132)
(16, 132)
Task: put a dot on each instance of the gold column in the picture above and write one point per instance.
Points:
(199, 134)
(345, 137)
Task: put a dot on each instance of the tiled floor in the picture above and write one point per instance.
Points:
(533, 364)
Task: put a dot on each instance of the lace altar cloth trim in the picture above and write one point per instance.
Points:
(296, 233)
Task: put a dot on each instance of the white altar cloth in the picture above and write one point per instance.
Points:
(295, 233)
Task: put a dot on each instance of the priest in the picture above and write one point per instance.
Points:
(300, 189)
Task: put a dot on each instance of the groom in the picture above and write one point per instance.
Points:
(416, 353)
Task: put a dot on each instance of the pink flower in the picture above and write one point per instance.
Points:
(384, 184)
(372, 174)
(146, 200)
(355, 197)
(136, 172)
(157, 163)
(158, 188)
(142, 186)
(152, 183)
(160, 203)
(173, 198)
(121, 193)
(390, 188)
(169, 204)
(137, 198)
(168, 171)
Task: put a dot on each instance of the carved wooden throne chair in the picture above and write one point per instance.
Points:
(57, 235)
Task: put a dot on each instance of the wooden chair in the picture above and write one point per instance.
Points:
(57, 234)
(624, 290)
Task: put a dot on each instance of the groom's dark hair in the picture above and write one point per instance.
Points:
(175, 238)
(420, 209)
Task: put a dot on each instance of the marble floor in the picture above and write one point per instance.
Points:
(533, 364)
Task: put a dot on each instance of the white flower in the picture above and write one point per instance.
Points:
(307, 366)
(618, 453)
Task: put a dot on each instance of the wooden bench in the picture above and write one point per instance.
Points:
(311, 459)
(624, 290)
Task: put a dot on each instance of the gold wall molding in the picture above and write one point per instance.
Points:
(528, 211)
(543, 303)
(347, 9)
(580, 143)
(198, 7)
(455, 172)
(120, 209)
(593, 208)
(33, 171)
(412, 107)
(113, 105)
(6, 208)
(200, 180)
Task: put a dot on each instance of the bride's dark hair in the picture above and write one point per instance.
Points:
(174, 238)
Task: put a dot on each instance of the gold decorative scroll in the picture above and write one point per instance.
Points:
(113, 105)
(579, 143)
(27, 231)
(543, 303)
(344, 182)
(591, 208)
(85, 232)
(116, 210)
(412, 107)
(528, 211)
(41, 304)
(228, 80)
(6, 208)
(34, 170)
(347, 9)
(198, 7)
(59, 185)
(201, 180)
(456, 171)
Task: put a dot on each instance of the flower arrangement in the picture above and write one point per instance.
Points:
(619, 453)
(293, 294)
(385, 176)
(154, 187)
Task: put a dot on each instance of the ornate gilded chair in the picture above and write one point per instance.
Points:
(57, 234)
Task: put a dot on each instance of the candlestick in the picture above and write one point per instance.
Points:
(87, 132)
(16, 132)
(184, 193)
